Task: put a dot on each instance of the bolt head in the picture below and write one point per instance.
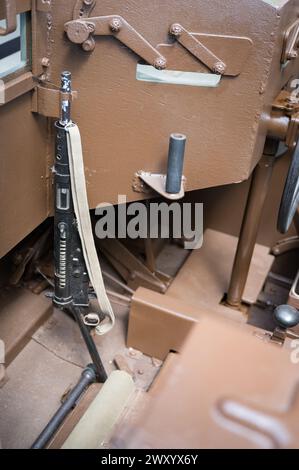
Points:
(45, 62)
(115, 25)
(88, 45)
(160, 63)
(219, 68)
(176, 30)
(293, 55)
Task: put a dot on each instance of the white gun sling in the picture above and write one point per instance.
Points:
(81, 208)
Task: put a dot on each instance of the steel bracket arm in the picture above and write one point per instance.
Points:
(197, 49)
(82, 31)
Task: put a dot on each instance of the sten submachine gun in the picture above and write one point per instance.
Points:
(71, 278)
(71, 287)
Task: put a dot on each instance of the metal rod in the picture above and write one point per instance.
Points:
(92, 349)
(176, 155)
(88, 377)
(119, 296)
(258, 191)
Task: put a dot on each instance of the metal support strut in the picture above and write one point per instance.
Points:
(258, 191)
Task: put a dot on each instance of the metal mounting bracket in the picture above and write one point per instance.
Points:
(157, 183)
(47, 101)
(82, 31)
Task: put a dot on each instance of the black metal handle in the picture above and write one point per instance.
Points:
(290, 198)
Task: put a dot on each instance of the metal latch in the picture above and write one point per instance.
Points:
(223, 55)
(10, 16)
(82, 31)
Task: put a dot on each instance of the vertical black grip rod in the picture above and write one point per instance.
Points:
(176, 155)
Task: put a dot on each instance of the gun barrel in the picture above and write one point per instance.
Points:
(66, 88)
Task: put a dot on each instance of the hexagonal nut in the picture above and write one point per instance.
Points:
(176, 29)
(160, 63)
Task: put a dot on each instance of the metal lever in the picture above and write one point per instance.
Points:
(196, 48)
(286, 317)
(11, 17)
(82, 31)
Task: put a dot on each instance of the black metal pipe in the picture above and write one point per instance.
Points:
(88, 377)
(176, 155)
(92, 349)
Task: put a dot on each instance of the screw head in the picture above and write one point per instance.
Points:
(115, 25)
(176, 29)
(91, 27)
(160, 63)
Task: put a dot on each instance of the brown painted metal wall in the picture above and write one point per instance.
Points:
(125, 124)
(23, 185)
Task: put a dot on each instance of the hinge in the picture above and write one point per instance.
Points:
(46, 101)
